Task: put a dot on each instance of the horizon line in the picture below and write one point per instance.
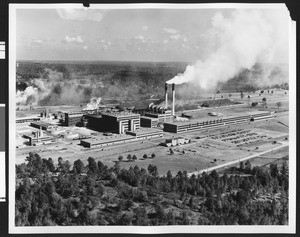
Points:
(122, 61)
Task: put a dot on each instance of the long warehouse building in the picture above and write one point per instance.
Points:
(178, 127)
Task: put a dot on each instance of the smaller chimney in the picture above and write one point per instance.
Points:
(41, 132)
(166, 95)
(173, 102)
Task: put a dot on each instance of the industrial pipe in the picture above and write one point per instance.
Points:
(166, 95)
(173, 102)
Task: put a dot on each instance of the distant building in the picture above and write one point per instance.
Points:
(176, 141)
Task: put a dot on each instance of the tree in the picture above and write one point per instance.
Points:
(129, 158)
(254, 104)
(63, 166)
(49, 188)
(48, 165)
(78, 166)
(169, 176)
(34, 162)
(120, 158)
(284, 169)
(125, 219)
(100, 166)
(248, 167)
(278, 104)
(145, 156)
(153, 155)
(242, 167)
(92, 165)
(274, 170)
(171, 151)
(141, 216)
(134, 158)
(59, 165)
(152, 169)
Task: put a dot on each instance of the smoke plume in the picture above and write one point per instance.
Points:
(28, 96)
(53, 89)
(243, 39)
(94, 104)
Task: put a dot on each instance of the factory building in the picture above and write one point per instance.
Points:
(130, 136)
(149, 122)
(154, 115)
(94, 121)
(45, 113)
(38, 137)
(27, 119)
(122, 121)
(72, 119)
(146, 133)
(117, 122)
(42, 125)
(105, 141)
(177, 127)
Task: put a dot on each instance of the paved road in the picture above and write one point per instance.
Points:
(285, 144)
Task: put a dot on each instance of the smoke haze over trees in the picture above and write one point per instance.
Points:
(74, 83)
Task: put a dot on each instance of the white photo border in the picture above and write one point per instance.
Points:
(290, 228)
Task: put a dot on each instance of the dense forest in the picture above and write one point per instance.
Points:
(95, 194)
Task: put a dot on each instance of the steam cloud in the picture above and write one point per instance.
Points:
(94, 104)
(29, 95)
(243, 39)
(52, 89)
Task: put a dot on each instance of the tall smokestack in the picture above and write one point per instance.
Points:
(173, 102)
(166, 95)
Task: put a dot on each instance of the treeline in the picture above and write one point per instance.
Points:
(95, 194)
(119, 80)
(260, 76)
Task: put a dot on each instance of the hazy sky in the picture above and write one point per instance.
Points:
(131, 35)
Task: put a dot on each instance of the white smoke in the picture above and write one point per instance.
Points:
(29, 95)
(94, 104)
(243, 39)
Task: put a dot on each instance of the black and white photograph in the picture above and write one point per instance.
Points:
(152, 118)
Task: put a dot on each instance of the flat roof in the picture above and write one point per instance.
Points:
(104, 139)
(120, 114)
(75, 115)
(211, 118)
(146, 130)
(41, 123)
(149, 118)
(30, 117)
(93, 115)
